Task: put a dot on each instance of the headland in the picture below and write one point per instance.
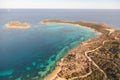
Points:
(97, 58)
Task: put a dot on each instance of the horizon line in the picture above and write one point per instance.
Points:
(59, 8)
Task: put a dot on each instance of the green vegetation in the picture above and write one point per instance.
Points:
(95, 59)
(107, 57)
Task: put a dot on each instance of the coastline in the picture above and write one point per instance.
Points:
(107, 31)
(54, 73)
(75, 25)
(89, 25)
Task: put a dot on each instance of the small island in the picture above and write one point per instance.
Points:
(17, 24)
(97, 58)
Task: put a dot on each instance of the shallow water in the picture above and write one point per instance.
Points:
(28, 54)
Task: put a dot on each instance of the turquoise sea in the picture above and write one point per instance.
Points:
(28, 54)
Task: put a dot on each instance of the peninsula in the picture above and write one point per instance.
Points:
(17, 24)
(97, 58)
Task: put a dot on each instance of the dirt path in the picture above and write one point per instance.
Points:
(83, 76)
(86, 54)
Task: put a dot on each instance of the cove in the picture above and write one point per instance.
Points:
(30, 54)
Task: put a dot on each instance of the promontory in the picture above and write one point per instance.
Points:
(94, 59)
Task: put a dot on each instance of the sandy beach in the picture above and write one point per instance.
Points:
(53, 75)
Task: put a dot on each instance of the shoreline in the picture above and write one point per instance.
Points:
(105, 32)
(69, 23)
(55, 72)
(81, 24)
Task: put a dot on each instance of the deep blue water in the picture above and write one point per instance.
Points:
(108, 16)
(30, 53)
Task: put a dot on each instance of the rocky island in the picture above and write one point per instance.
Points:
(95, 59)
(17, 24)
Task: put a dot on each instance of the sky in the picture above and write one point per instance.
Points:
(69, 4)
